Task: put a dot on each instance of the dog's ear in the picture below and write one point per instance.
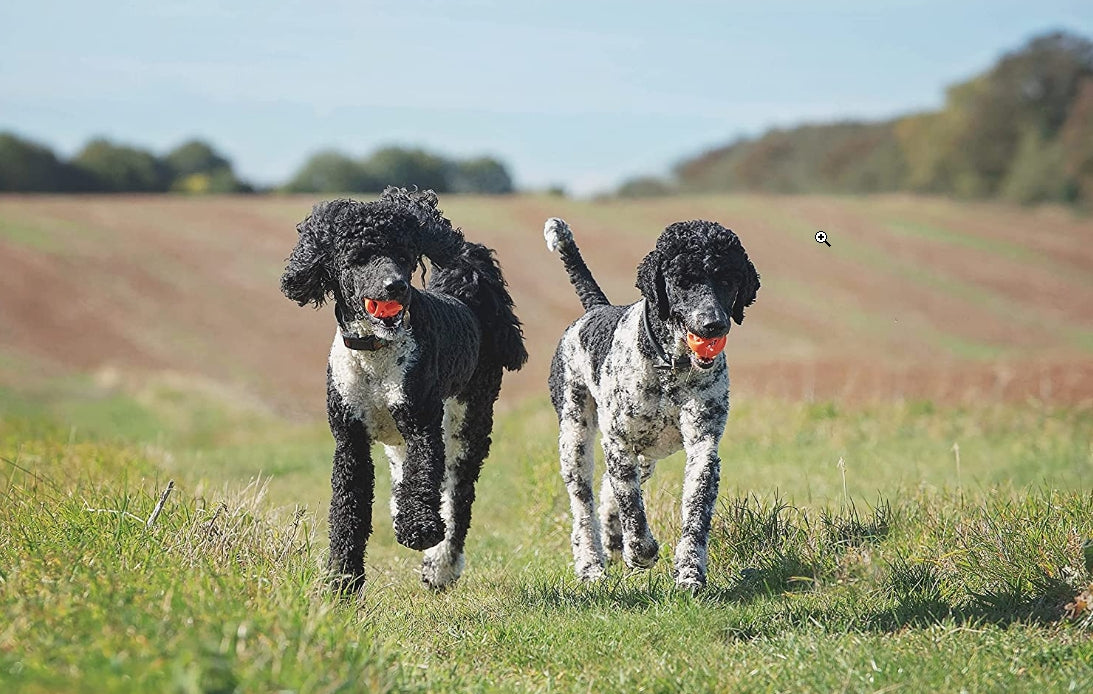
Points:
(745, 294)
(651, 282)
(309, 276)
(439, 242)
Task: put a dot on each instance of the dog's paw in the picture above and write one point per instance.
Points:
(440, 571)
(690, 579)
(346, 585)
(641, 554)
(556, 232)
(589, 572)
(419, 531)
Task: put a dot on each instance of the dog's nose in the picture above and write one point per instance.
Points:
(395, 287)
(712, 323)
(716, 327)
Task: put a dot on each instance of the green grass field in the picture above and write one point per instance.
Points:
(940, 350)
(902, 570)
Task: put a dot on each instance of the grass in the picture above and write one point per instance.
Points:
(915, 578)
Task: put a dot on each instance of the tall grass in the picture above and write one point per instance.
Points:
(908, 581)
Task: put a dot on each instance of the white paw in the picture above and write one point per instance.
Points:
(440, 570)
(641, 554)
(590, 572)
(556, 232)
(690, 582)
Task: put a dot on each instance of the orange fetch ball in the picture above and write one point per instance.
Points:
(382, 309)
(707, 348)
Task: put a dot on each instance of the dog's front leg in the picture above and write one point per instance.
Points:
(418, 524)
(352, 484)
(639, 547)
(701, 425)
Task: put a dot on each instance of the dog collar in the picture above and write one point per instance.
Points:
(365, 343)
(663, 362)
(368, 343)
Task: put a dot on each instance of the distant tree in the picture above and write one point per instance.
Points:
(969, 147)
(218, 181)
(332, 172)
(197, 168)
(27, 167)
(1076, 143)
(1018, 130)
(712, 170)
(1039, 82)
(482, 175)
(864, 159)
(1037, 173)
(920, 142)
(399, 166)
(644, 187)
(118, 168)
(195, 156)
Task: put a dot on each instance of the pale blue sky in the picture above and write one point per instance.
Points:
(578, 93)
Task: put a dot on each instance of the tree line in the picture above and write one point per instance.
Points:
(103, 166)
(332, 171)
(1021, 131)
(196, 167)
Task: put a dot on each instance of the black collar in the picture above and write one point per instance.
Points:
(663, 363)
(368, 343)
(364, 343)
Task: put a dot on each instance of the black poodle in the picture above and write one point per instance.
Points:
(417, 371)
(652, 376)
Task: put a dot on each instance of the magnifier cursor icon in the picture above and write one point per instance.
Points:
(821, 237)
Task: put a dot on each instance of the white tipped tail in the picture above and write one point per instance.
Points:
(556, 232)
(559, 237)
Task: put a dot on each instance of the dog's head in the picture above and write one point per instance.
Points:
(364, 253)
(699, 278)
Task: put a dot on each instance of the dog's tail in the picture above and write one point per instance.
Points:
(474, 277)
(559, 238)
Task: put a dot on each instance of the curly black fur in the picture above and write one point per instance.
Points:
(692, 254)
(475, 279)
(433, 378)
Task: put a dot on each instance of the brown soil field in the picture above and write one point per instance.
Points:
(916, 298)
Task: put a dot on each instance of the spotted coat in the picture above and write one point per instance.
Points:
(626, 372)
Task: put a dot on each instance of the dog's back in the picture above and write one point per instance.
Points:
(474, 277)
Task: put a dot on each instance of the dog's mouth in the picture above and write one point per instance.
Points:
(702, 362)
(705, 350)
(385, 316)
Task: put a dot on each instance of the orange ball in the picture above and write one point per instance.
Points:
(382, 309)
(707, 348)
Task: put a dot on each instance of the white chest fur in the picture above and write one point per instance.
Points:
(370, 383)
(642, 407)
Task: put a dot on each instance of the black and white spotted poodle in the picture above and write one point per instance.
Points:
(417, 371)
(652, 378)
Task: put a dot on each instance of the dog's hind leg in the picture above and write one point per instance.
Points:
(396, 456)
(352, 489)
(467, 428)
(611, 528)
(577, 425)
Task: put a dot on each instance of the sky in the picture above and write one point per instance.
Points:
(577, 94)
